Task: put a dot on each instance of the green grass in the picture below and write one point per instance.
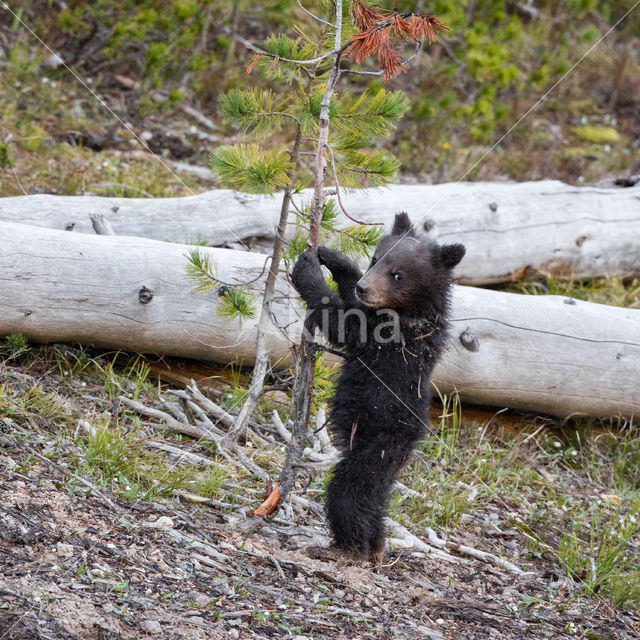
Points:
(614, 291)
(36, 406)
(120, 458)
(572, 493)
(600, 551)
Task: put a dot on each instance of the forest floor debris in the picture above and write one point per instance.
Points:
(111, 528)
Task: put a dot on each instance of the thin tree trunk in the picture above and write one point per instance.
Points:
(262, 354)
(262, 351)
(304, 380)
(235, 20)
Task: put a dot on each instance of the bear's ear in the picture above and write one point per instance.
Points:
(451, 254)
(402, 225)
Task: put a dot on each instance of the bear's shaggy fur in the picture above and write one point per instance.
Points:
(379, 409)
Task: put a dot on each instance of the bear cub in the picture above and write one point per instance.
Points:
(390, 324)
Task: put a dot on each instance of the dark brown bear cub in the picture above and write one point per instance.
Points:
(391, 326)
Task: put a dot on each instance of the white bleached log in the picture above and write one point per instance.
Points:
(507, 227)
(544, 353)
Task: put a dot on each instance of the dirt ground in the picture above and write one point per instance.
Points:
(77, 563)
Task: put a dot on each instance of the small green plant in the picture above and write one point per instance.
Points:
(6, 156)
(122, 459)
(14, 347)
(597, 135)
(48, 408)
(237, 393)
(112, 381)
(137, 373)
(71, 361)
(442, 443)
(209, 483)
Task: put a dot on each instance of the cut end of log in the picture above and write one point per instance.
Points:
(269, 505)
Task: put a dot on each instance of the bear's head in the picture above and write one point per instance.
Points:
(408, 271)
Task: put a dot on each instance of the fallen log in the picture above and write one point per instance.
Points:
(544, 353)
(508, 228)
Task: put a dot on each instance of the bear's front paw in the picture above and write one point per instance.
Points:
(330, 258)
(335, 261)
(306, 270)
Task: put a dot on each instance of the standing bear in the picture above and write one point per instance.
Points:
(391, 327)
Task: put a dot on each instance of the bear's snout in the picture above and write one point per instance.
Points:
(361, 289)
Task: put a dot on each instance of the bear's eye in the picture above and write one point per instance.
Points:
(397, 276)
(373, 261)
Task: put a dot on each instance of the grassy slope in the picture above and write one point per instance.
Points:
(147, 60)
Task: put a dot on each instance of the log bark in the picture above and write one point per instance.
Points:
(544, 353)
(507, 227)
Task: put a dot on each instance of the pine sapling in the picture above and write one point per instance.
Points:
(340, 128)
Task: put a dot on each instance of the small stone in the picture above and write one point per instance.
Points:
(152, 626)
(64, 550)
(163, 522)
(7, 425)
(200, 599)
(234, 633)
(10, 463)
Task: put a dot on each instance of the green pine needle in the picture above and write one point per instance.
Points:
(281, 46)
(329, 213)
(249, 168)
(370, 114)
(297, 244)
(357, 240)
(371, 169)
(325, 377)
(307, 109)
(236, 302)
(252, 110)
(348, 140)
(284, 47)
(201, 270)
